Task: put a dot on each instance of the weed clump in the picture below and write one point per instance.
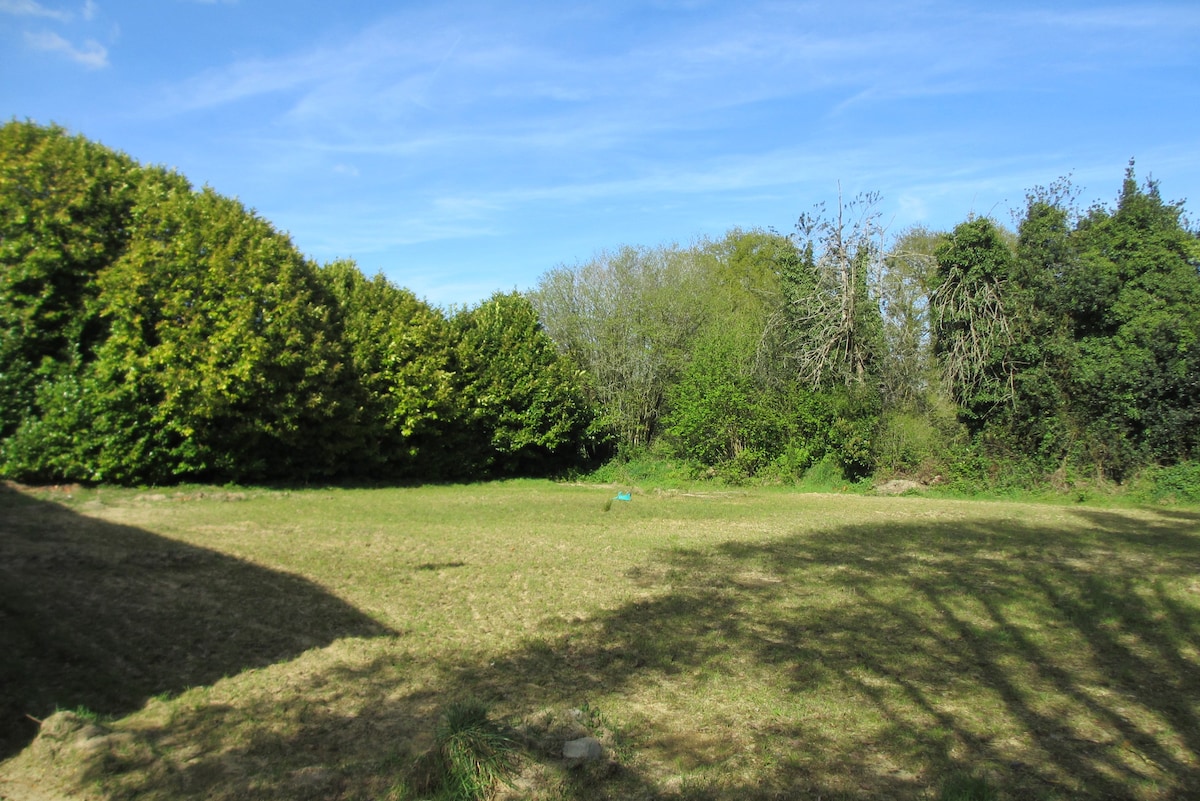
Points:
(471, 756)
(966, 787)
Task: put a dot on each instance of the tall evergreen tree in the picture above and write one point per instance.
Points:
(399, 352)
(523, 403)
(1134, 299)
(64, 203)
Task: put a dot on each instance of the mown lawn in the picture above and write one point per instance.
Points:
(254, 644)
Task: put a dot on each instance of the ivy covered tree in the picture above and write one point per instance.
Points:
(1037, 424)
(1078, 346)
(832, 315)
(972, 330)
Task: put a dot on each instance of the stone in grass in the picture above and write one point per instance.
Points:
(585, 749)
(899, 487)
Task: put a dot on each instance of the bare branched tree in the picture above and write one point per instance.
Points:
(832, 320)
(972, 328)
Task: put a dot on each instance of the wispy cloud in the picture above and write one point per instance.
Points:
(421, 131)
(90, 54)
(30, 8)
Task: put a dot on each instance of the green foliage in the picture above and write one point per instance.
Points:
(719, 413)
(1081, 349)
(524, 404)
(400, 356)
(918, 442)
(853, 432)
(63, 202)
(219, 333)
(972, 333)
(824, 475)
(152, 333)
(655, 466)
(721, 418)
(626, 318)
(1137, 381)
(1178, 483)
(907, 371)
(633, 318)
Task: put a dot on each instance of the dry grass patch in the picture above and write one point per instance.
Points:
(276, 645)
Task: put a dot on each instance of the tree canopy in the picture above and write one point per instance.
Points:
(157, 333)
(153, 332)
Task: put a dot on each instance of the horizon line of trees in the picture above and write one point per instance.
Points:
(156, 333)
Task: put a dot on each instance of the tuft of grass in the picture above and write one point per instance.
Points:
(474, 755)
(966, 787)
(83, 713)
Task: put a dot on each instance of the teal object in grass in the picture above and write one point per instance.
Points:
(624, 496)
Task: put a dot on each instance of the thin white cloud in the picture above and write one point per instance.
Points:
(91, 54)
(1120, 19)
(458, 124)
(29, 8)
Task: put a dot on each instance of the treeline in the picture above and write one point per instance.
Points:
(155, 333)
(1066, 351)
(152, 333)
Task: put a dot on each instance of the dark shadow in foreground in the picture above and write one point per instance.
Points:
(105, 616)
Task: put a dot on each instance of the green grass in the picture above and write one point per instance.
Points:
(750, 644)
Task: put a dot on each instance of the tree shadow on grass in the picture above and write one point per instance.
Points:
(1062, 663)
(105, 616)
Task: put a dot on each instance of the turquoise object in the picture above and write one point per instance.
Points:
(624, 496)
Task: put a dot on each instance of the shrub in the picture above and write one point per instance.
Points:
(1179, 483)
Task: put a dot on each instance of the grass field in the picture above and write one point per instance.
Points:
(254, 644)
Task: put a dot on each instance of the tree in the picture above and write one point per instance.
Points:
(972, 333)
(906, 370)
(833, 327)
(628, 319)
(1038, 423)
(218, 361)
(720, 412)
(400, 357)
(1134, 299)
(63, 206)
(523, 403)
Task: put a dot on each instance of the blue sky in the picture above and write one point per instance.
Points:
(462, 148)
